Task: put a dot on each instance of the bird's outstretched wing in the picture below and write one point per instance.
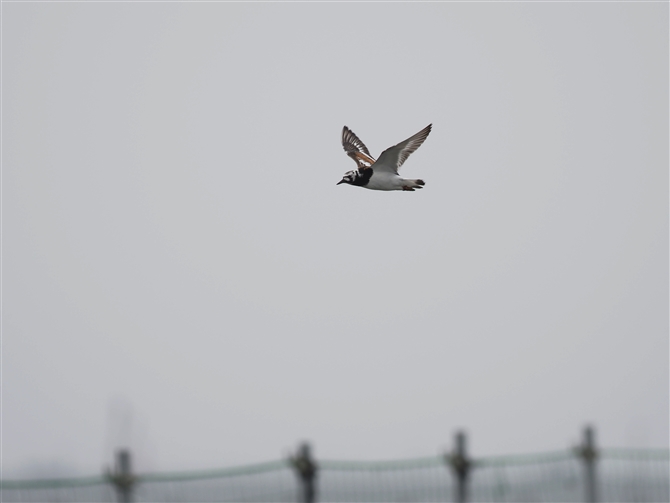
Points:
(393, 157)
(356, 149)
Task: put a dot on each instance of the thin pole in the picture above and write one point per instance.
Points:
(589, 455)
(306, 470)
(460, 467)
(122, 477)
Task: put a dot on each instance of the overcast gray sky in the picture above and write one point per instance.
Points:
(183, 276)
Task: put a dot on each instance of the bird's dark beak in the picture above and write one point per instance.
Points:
(341, 181)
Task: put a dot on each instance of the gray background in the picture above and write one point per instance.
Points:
(182, 275)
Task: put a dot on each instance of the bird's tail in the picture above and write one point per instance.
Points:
(413, 184)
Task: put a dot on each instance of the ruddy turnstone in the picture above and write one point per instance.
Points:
(381, 174)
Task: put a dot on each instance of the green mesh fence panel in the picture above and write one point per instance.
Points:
(426, 479)
(626, 475)
(623, 475)
(545, 477)
(57, 491)
(267, 482)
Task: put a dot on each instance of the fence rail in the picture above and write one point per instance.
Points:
(581, 474)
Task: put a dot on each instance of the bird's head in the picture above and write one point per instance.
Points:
(349, 177)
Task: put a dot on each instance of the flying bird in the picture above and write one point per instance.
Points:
(381, 174)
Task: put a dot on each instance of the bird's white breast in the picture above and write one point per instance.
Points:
(384, 181)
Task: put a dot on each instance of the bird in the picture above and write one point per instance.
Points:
(381, 174)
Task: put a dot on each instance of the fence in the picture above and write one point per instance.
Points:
(581, 474)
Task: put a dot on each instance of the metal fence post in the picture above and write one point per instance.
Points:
(589, 455)
(460, 466)
(306, 470)
(122, 477)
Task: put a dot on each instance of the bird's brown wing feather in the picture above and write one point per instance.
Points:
(356, 149)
